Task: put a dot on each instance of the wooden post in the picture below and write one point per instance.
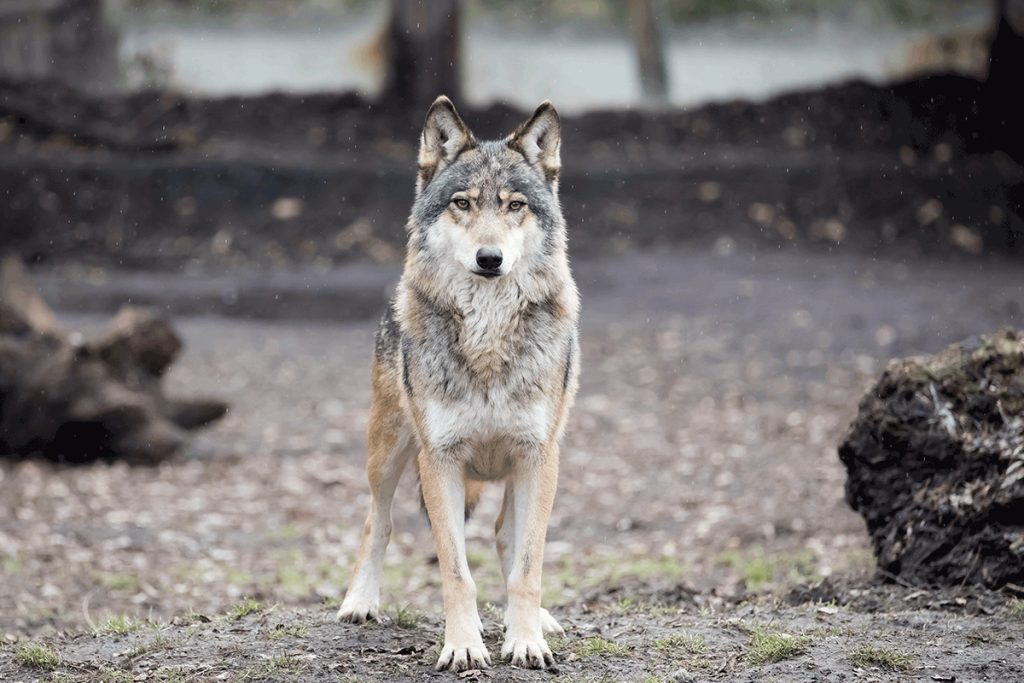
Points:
(69, 40)
(650, 54)
(422, 49)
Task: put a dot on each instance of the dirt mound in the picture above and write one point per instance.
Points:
(159, 180)
(935, 463)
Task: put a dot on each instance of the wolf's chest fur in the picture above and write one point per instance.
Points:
(491, 372)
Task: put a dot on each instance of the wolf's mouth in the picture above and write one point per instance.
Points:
(487, 273)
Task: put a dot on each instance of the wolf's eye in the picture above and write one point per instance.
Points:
(516, 205)
(462, 204)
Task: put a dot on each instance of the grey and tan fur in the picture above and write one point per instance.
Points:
(474, 373)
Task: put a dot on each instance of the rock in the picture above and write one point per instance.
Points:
(79, 400)
(935, 464)
(682, 676)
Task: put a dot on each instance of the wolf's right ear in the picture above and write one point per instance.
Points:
(540, 141)
(444, 138)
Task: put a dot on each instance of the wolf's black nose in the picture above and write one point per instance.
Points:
(488, 258)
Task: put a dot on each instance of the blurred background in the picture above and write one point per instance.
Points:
(767, 200)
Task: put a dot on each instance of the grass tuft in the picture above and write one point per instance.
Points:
(121, 625)
(1017, 607)
(406, 617)
(157, 644)
(767, 646)
(244, 608)
(881, 658)
(598, 646)
(281, 631)
(273, 668)
(687, 642)
(37, 656)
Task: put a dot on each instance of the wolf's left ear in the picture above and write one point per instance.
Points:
(444, 137)
(539, 140)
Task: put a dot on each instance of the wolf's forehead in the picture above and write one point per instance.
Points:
(496, 167)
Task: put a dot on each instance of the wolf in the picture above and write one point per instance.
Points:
(475, 369)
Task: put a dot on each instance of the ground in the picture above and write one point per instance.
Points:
(700, 499)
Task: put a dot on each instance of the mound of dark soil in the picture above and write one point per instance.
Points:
(159, 180)
(935, 463)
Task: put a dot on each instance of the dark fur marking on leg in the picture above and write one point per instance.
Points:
(568, 367)
(405, 366)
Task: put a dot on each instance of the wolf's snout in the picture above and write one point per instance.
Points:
(488, 258)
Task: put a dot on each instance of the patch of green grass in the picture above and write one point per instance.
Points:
(598, 646)
(157, 644)
(37, 656)
(244, 608)
(755, 569)
(758, 570)
(687, 642)
(273, 668)
(172, 674)
(120, 581)
(115, 676)
(881, 658)
(647, 568)
(294, 581)
(1017, 608)
(406, 617)
(12, 564)
(121, 625)
(237, 577)
(627, 605)
(281, 631)
(768, 646)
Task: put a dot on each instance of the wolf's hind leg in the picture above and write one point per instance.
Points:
(390, 441)
(504, 540)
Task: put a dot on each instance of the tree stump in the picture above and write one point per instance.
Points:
(935, 464)
(78, 400)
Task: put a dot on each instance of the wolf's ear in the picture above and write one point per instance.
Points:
(539, 140)
(444, 137)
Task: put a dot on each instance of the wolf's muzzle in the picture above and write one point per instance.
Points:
(489, 259)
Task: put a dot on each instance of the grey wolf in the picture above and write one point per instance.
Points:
(474, 372)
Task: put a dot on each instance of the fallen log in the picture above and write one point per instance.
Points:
(935, 465)
(74, 399)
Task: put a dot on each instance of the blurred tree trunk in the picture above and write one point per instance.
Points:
(649, 52)
(1003, 102)
(69, 40)
(422, 52)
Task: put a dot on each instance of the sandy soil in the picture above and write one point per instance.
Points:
(700, 484)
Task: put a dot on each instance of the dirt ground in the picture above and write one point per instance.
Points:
(700, 500)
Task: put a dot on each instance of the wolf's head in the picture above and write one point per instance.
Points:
(487, 210)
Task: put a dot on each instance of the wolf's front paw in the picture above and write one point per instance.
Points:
(356, 609)
(549, 624)
(463, 656)
(528, 653)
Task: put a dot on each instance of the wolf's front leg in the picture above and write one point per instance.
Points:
(444, 493)
(533, 493)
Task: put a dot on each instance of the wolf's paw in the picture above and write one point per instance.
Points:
(462, 656)
(356, 610)
(549, 624)
(528, 653)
